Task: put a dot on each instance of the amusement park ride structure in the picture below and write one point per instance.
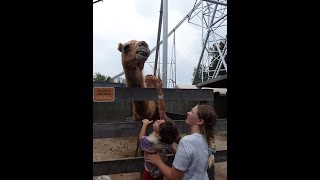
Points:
(211, 17)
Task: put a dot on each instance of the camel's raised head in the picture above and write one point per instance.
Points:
(134, 52)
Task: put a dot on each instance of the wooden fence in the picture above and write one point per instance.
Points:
(132, 129)
(178, 101)
(110, 122)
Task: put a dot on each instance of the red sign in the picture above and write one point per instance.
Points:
(103, 94)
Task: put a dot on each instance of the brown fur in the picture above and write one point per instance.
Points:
(151, 81)
(133, 65)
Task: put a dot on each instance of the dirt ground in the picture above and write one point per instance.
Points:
(117, 148)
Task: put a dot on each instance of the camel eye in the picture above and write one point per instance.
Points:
(126, 49)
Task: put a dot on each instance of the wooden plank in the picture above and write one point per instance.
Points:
(221, 124)
(128, 165)
(108, 84)
(141, 94)
(104, 112)
(125, 165)
(220, 156)
(129, 129)
(220, 104)
(118, 111)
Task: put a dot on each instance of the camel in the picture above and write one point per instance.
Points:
(134, 54)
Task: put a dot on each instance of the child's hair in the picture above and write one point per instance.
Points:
(168, 132)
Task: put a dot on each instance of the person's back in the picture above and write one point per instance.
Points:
(192, 155)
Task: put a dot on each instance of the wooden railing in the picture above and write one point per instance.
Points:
(131, 129)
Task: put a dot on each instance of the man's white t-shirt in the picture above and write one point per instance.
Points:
(192, 157)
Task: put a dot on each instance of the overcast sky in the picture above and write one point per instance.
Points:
(118, 21)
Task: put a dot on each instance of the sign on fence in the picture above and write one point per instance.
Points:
(103, 94)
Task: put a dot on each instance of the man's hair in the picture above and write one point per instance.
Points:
(168, 132)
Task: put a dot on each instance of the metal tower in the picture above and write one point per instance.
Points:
(97, 1)
(211, 16)
(171, 66)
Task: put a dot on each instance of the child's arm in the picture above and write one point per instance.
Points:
(145, 123)
(173, 148)
(162, 105)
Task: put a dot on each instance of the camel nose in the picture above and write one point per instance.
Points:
(143, 43)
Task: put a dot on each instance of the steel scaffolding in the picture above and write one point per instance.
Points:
(211, 17)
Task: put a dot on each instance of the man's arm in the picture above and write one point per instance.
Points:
(171, 173)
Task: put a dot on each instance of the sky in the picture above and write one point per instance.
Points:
(118, 21)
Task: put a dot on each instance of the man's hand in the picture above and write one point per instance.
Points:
(153, 158)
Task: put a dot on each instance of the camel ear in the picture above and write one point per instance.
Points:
(120, 47)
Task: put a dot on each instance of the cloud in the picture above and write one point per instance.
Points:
(118, 21)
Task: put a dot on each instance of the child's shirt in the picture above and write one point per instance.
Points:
(151, 144)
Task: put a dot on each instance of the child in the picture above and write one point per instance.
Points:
(164, 134)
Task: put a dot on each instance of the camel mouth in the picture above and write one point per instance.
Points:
(142, 54)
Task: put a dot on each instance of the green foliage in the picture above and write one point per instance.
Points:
(98, 77)
(121, 80)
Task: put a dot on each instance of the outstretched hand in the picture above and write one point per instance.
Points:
(146, 121)
(159, 84)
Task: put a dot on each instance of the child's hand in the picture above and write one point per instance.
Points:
(146, 121)
(159, 84)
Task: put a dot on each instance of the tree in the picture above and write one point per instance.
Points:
(121, 80)
(205, 75)
(109, 79)
(98, 77)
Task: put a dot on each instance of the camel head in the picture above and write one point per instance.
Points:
(134, 53)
